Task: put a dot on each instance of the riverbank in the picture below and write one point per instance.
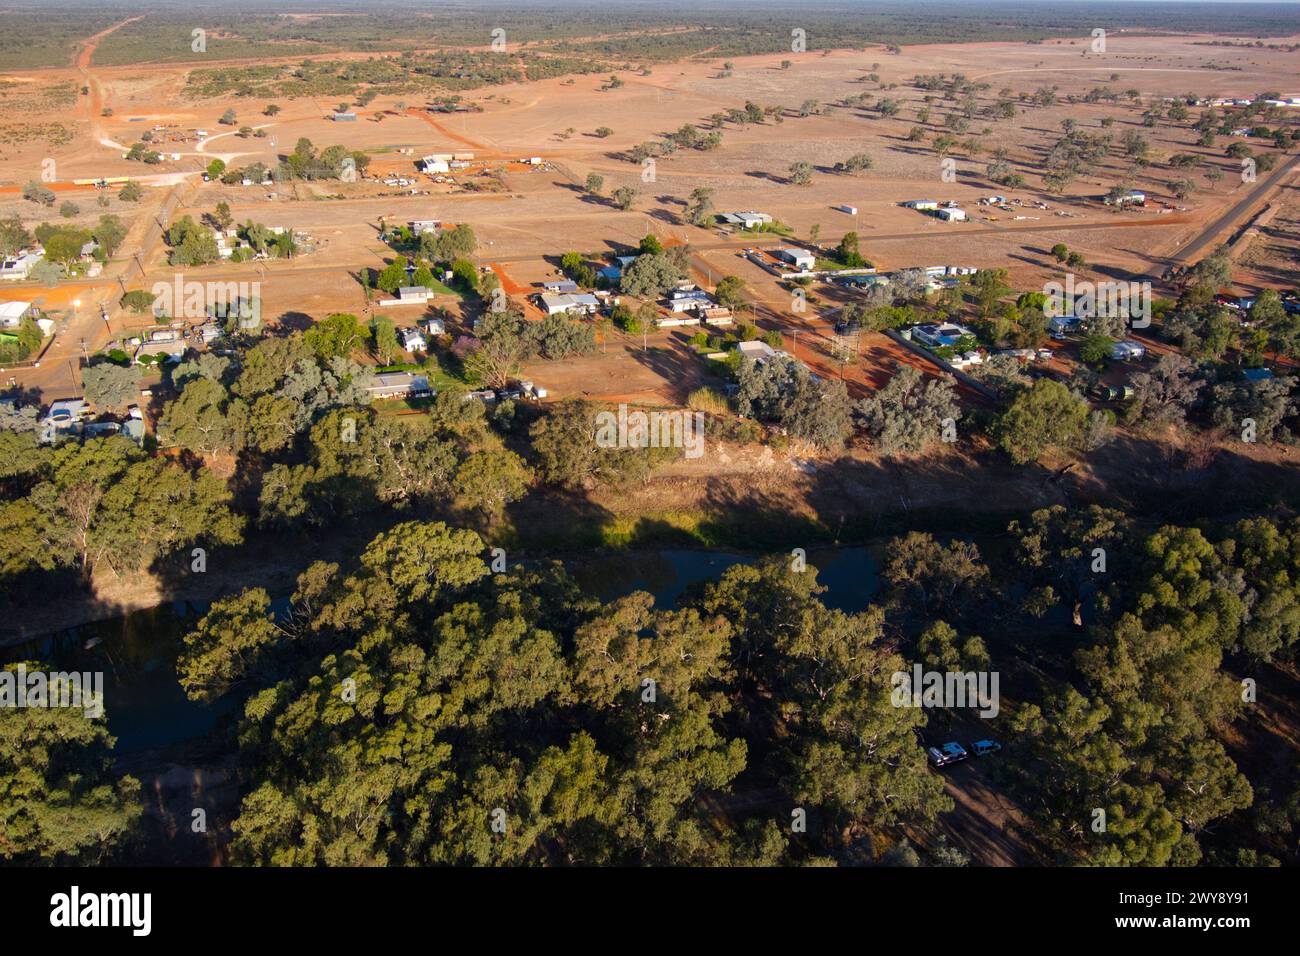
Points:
(742, 498)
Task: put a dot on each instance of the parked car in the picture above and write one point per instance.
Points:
(945, 754)
(983, 748)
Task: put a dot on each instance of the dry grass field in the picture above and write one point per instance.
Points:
(526, 216)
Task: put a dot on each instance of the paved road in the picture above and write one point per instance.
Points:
(1212, 232)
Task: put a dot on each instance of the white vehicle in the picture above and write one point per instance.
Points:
(945, 754)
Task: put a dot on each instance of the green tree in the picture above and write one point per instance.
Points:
(60, 801)
(490, 480)
(109, 385)
(338, 335)
(1042, 416)
(228, 645)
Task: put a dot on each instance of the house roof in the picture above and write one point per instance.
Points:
(755, 349)
(14, 310)
(564, 301)
(386, 381)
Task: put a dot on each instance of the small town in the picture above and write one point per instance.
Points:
(615, 437)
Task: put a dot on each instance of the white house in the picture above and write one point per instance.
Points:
(1128, 350)
(756, 350)
(747, 220)
(802, 259)
(951, 215)
(433, 326)
(925, 205)
(397, 385)
(420, 226)
(560, 285)
(20, 267)
(1131, 198)
(683, 300)
(414, 294)
(13, 313)
(431, 165)
(554, 304)
(162, 351)
(63, 418)
(412, 340)
(759, 352)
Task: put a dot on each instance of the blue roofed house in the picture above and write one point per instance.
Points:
(939, 334)
(614, 271)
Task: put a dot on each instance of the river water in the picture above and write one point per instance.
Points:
(137, 653)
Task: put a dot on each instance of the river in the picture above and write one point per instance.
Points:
(137, 653)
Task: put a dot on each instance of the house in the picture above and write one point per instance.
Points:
(938, 335)
(96, 429)
(133, 428)
(747, 220)
(862, 281)
(682, 300)
(433, 327)
(1131, 198)
(717, 316)
(210, 332)
(759, 352)
(162, 351)
(614, 271)
(434, 164)
(1128, 350)
(560, 285)
(421, 226)
(802, 259)
(555, 304)
(398, 385)
(925, 205)
(63, 418)
(415, 294)
(756, 350)
(951, 215)
(345, 117)
(13, 313)
(412, 340)
(1061, 324)
(20, 267)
